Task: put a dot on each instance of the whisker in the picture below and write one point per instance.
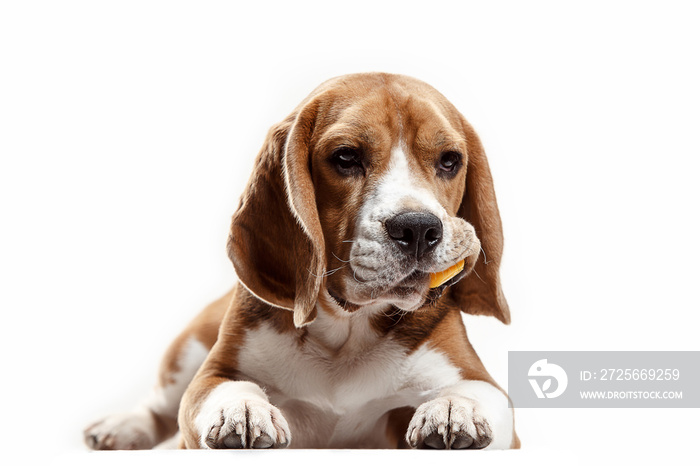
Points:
(482, 250)
(356, 279)
(325, 274)
(477, 274)
(341, 260)
(331, 272)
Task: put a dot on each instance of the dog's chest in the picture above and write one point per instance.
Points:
(343, 378)
(336, 384)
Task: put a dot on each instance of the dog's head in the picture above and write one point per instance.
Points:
(371, 184)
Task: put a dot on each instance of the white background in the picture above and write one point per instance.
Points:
(128, 130)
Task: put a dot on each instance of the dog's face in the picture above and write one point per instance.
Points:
(391, 165)
(385, 183)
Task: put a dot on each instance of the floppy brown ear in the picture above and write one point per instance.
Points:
(276, 240)
(480, 291)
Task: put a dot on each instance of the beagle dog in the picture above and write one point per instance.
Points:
(333, 336)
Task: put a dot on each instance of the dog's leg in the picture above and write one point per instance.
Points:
(470, 414)
(221, 413)
(155, 420)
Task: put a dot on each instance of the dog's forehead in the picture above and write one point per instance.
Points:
(385, 111)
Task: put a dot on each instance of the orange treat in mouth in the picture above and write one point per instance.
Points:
(437, 279)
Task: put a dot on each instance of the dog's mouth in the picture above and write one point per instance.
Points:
(412, 288)
(413, 284)
(416, 282)
(416, 277)
(435, 293)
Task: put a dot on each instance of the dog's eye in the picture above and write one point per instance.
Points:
(347, 161)
(449, 162)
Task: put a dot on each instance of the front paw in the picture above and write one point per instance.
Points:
(244, 424)
(449, 423)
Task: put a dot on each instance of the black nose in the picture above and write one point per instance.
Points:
(415, 232)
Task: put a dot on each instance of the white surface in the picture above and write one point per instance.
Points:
(128, 130)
